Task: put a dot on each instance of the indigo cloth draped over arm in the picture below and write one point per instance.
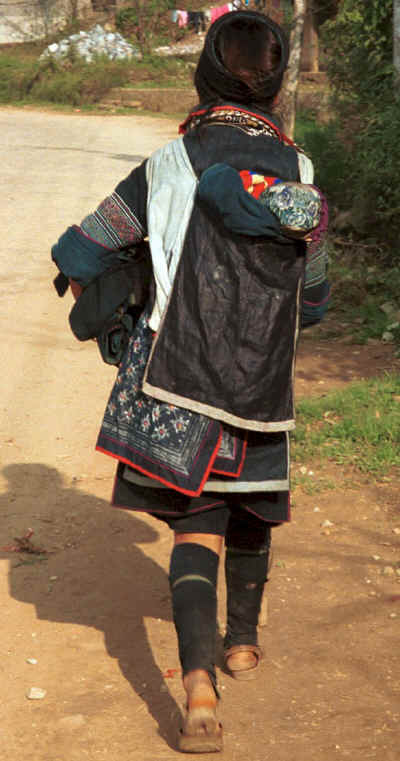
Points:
(221, 190)
(81, 258)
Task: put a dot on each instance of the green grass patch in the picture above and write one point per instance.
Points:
(73, 83)
(24, 79)
(311, 484)
(357, 426)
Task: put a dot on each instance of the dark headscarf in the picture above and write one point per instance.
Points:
(213, 81)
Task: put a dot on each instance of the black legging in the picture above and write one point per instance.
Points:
(193, 581)
(248, 542)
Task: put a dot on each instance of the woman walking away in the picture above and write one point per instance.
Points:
(199, 416)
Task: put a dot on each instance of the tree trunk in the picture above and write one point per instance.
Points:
(396, 41)
(289, 90)
(310, 48)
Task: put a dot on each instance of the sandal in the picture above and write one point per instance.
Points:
(234, 664)
(202, 733)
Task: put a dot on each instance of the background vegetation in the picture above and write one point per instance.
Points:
(365, 128)
(24, 79)
(144, 21)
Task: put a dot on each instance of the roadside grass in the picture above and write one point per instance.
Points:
(74, 84)
(357, 426)
(310, 483)
(24, 79)
(163, 71)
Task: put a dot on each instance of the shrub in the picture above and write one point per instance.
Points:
(80, 82)
(143, 20)
(323, 144)
(72, 82)
(360, 44)
(377, 159)
(15, 76)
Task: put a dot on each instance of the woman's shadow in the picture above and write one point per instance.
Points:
(106, 580)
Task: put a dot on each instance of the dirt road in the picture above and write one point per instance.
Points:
(88, 621)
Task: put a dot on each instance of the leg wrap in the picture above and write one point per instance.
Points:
(193, 582)
(246, 571)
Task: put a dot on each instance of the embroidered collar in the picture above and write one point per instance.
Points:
(234, 116)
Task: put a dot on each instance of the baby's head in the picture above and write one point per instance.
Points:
(297, 206)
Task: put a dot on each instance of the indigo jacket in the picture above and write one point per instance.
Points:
(227, 308)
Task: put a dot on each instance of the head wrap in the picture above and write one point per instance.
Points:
(214, 81)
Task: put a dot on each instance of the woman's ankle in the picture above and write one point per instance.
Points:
(199, 688)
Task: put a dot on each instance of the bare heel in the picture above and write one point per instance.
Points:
(202, 732)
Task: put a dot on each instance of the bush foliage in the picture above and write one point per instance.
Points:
(359, 43)
(73, 82)
(142, 20)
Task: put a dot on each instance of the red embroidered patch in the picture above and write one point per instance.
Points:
(255, 184)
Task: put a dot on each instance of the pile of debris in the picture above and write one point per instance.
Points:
(184, 47)
(89, 45)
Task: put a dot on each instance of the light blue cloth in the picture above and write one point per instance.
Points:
(297, 206)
